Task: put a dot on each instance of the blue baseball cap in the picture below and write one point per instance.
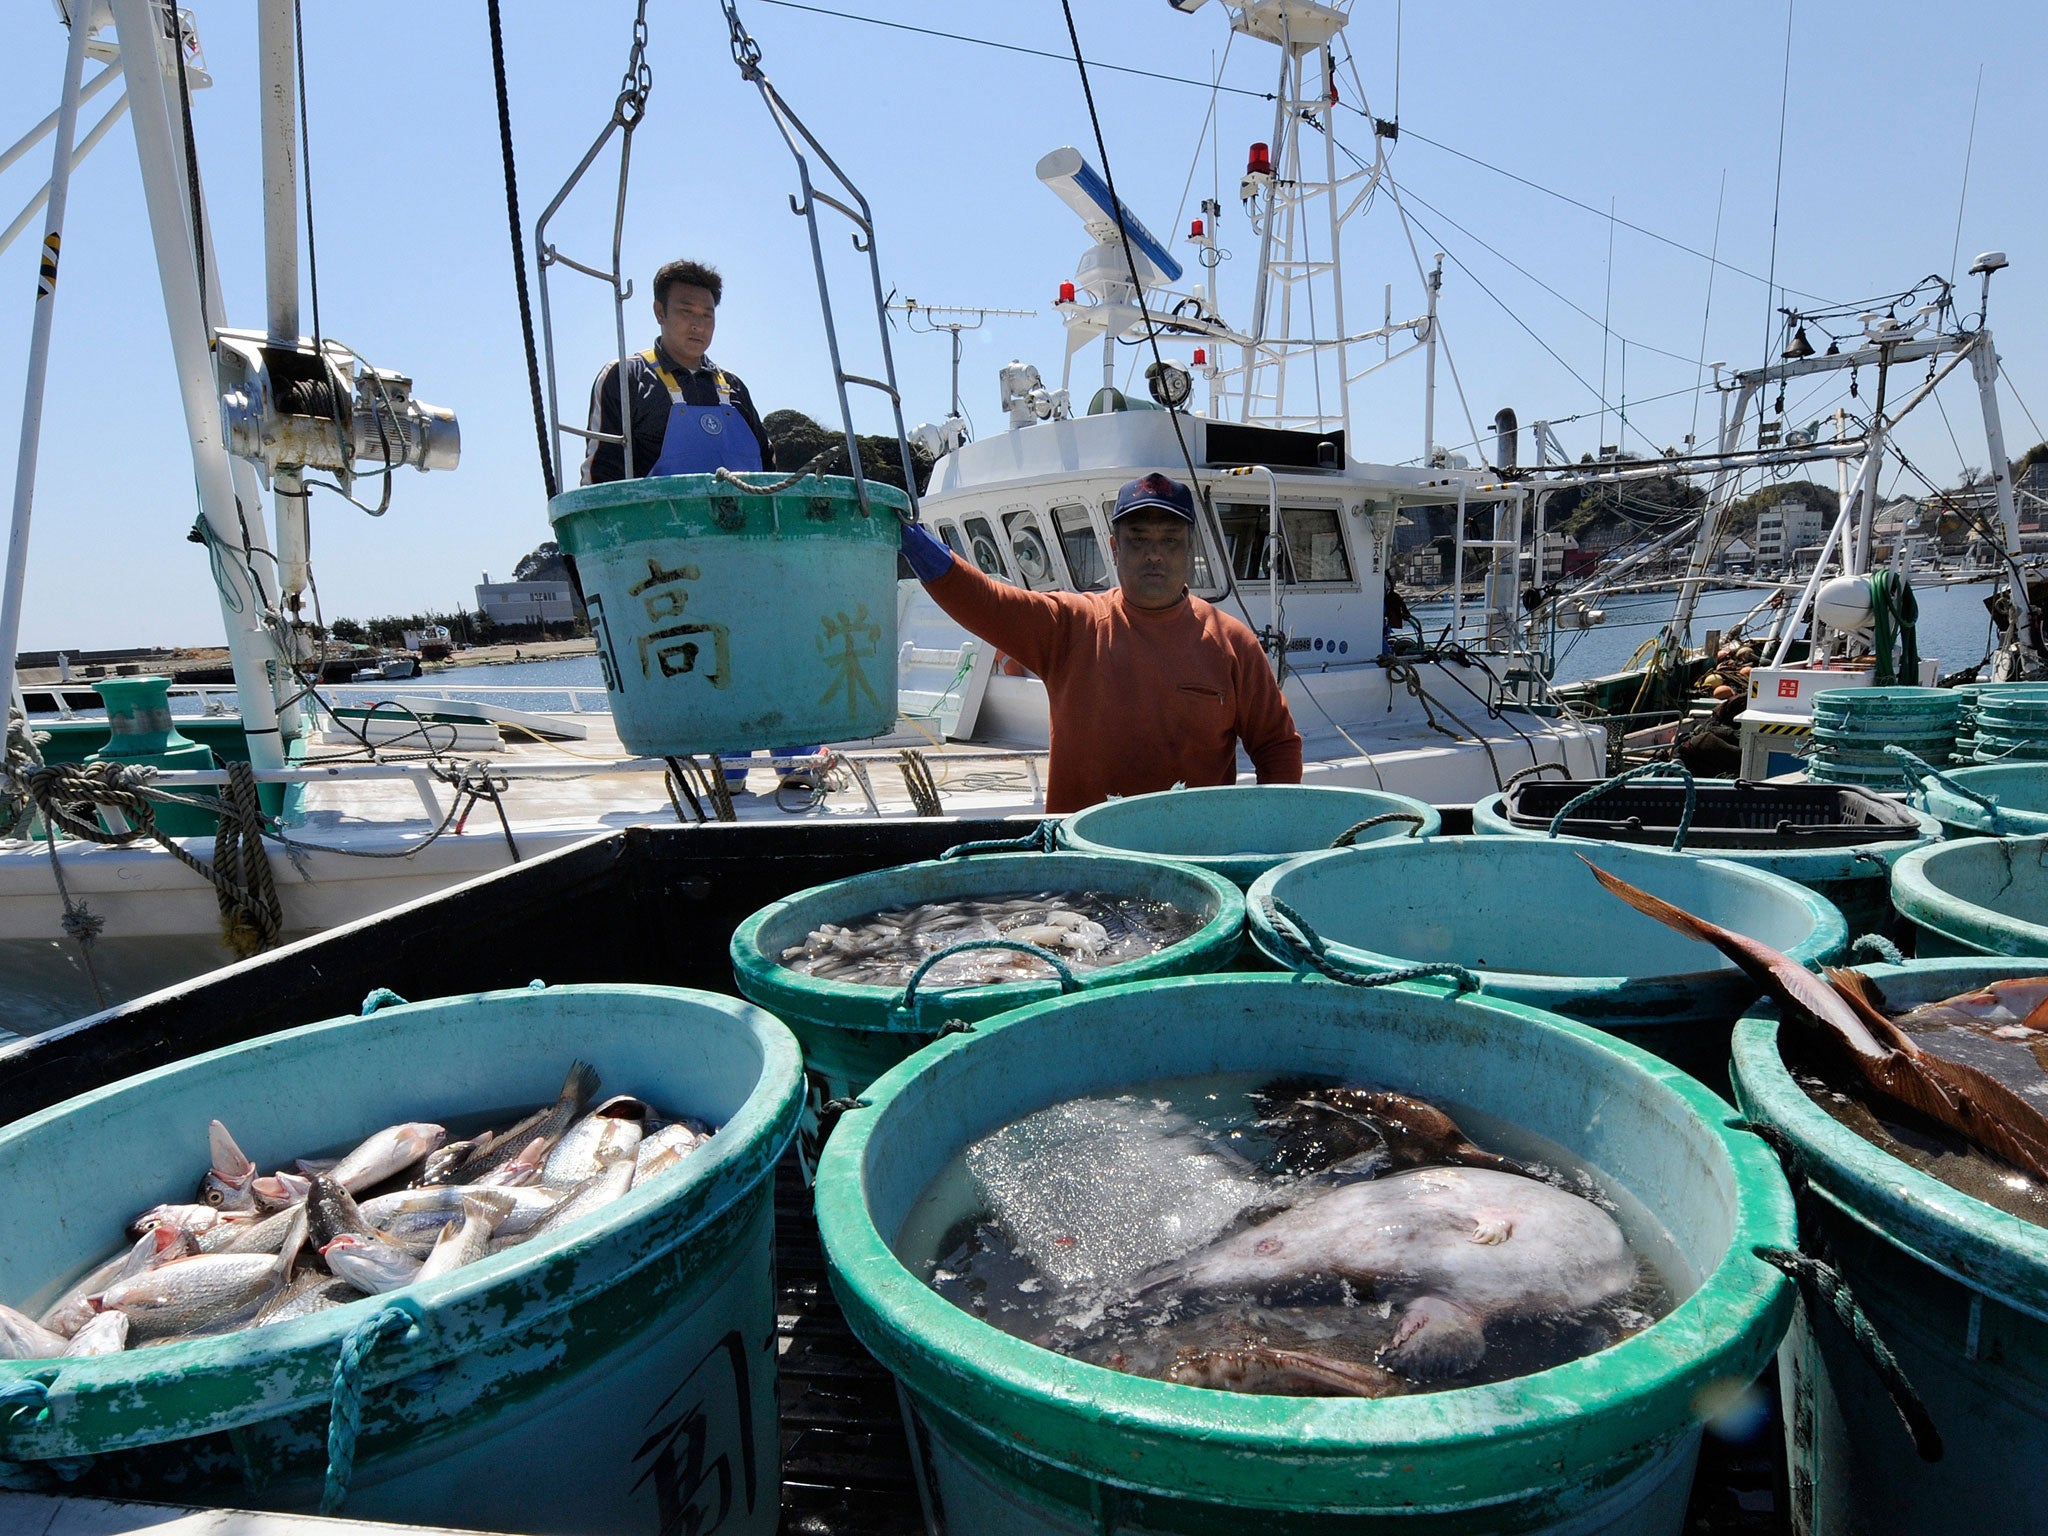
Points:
(1155, 491)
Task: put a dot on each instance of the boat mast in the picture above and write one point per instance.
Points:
(139, 24)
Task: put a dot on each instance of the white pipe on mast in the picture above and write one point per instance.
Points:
(86, 146)
(41, 131)
(250, 644)
(1984, 364)
(39, 354)
(1436, 283)
(277, 48)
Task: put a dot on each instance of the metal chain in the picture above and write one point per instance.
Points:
(745, 51)
(638, 79)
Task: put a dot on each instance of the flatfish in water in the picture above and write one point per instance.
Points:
(1086, 929)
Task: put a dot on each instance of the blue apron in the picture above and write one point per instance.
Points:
(703, 438)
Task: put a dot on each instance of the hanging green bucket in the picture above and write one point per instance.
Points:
(1242, 830)
(1979, 896)
(616, 1376)
(1527, 916)
(853, 1033)
(1854, 876)
(1956, 1289)
(726, 621)
(2019, 792)
(1014, 1440)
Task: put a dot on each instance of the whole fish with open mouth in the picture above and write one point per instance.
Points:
(391, 1151)
(74, 1309)
(204, 1294)
(372, 1267)
(228, 1182)
(1841, 1014)
(578, 1090)
(23, 1338)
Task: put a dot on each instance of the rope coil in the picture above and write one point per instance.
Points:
(1877, 944)
(1642, 770)
(1311, 949)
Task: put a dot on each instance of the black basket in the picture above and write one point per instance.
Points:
(1733, 814)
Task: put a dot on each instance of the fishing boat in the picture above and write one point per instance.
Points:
(347, 811)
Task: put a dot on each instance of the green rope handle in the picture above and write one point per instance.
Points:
(378, 999)
(31, 1396)
(1877, 944)
(1641, 770)
(1043, 838)
(1822, 1283)
(905, 1009)
(1911, 768)
(345, 1409)
(1349, 835)
(1308, 945)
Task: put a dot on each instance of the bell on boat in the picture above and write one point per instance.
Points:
(1799, 346)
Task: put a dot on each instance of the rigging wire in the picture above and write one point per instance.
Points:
(540, 414)
(2039, 436)
(1700, 367)
(1777, 200)
(306, 177)
(1963, 197)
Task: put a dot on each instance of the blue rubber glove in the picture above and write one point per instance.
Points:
(927, 556)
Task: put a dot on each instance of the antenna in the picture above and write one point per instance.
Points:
(911, 310)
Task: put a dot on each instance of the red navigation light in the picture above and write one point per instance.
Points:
(1195, 230)
(1066, 293)
(1201, 357)
(1261, 163)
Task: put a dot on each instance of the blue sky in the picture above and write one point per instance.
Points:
(1647, 105)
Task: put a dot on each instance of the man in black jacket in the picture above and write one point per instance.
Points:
(689, 416)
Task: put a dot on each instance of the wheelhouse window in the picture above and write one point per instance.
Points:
(1315, 543)
(1245, 541)
(1087, 563)
(983, 549)
(1028, 551)
(951, 535)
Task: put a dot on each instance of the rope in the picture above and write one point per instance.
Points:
(1877, 944)
(725, 476)
(1532, 771)
(540, 413)
(1820, 1282)
(251, 916)
(32, 1397)
(1044, 838)
(345, 1409)
(1911, 767)
(904, 1010)
(1894, 614)
(1349, 835)
(1692, 797)
(917, 778)
(1294, 929)
(381, 997)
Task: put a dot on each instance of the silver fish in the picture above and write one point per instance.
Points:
(578, 1089)
(525, 1168)
(613, 1178)
(159, 1245)
(106, 1334)
(574, 1158)
(282, 1190)
(23, 1338)
(203, 1294)
(195, 1221)
(392, 1150)
(309, 1293)
(227, 1182)
(415, 1217)
(664, 1149)
(265, 1236)
(445, 1160)
(462, 1242)
(371, 1267)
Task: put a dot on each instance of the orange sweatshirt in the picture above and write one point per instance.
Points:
(1142, 699)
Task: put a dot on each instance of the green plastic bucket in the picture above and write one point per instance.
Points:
(1979, 896)
(1855, 879)
(617, 1376)
(1956, 1288)
(726, 621)
(1242, 830)
(1886, 709)
(1529, 918)
(853, 1033)
(2020, 789)
(1013, 1439)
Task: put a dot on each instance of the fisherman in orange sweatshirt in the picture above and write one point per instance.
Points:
(1149, 685)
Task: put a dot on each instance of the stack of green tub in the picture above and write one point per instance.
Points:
(2011, 723)
(1853, 726)
(1966, 723)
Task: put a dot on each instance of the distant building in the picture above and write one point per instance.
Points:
(526, 602)
(1787, 526)
(1738, 555)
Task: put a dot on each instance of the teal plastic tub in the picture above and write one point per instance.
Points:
(726, 622)
(2019, 792)
(1856, 879)
(1956, 1288)
(1530, 920)
(1014, 1440)
(853, 1033)
(1242, 830)
(1979, 896)
(617, 1376)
